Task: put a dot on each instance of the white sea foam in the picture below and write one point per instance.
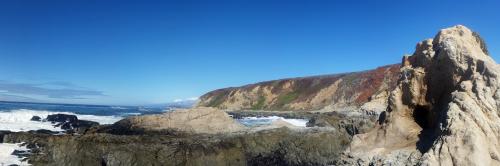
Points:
(255, 121)
(132, 114)
(20, 120)
(6, 157)
(118, 107)
(100, 119)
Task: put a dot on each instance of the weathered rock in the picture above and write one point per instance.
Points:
(281, 146)
(446, 106)
(36, 118)
(350, 124)
(329, 92)
(196, 120)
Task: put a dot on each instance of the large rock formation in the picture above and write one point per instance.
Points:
(281, 146)
(445, 107)
(196, 120)
(331, 92)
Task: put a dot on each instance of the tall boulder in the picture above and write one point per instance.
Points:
(444, 110)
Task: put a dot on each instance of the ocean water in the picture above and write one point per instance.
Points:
(259, 121)
(15, 116)
(6, 158)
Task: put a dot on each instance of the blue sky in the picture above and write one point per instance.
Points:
(148, 52)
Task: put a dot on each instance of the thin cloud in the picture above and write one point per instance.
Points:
(68, 90)
(186, 100)
(8, 97)
(63, 84)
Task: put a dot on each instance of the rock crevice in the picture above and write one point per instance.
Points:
(445, 106)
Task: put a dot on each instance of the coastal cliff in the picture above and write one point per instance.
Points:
(328, 92)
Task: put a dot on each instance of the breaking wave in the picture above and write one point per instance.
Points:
(257, 121)
(20, 119)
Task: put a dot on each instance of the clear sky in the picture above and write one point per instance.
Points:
(147, 52)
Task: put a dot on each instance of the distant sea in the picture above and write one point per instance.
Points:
(15, 116)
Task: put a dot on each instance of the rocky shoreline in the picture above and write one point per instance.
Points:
(122, 145)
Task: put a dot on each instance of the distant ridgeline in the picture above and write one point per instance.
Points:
(348, 90)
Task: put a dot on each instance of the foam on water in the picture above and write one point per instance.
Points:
(6, 157)
(257, 121)
(20, 120)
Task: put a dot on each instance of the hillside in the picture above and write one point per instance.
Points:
(328, 92)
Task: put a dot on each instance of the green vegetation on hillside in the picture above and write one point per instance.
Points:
(260, 103)
(286, 99)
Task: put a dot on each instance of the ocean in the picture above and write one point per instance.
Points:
(266, 120)
(16, 116)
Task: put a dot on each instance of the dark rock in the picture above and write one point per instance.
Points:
(43, 131)
(70, 123)
(65, 125)
(85, 123)
(36, 118)
(352, 125)
(2, 134)
(31, 146)
(61, 118)
(21, 153)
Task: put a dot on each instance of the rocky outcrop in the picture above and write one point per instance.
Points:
(349, 124)
(178, 138)
(36, 118)
(444, 111)
(281, 146)
(196, 120)
(70, 123)
(331, 92)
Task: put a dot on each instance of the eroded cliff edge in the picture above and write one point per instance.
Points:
(328, 92)
(444, 110)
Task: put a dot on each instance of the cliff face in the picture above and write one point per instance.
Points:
(445, 109)
(309, 93)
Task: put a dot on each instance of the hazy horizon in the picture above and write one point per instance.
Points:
(151, 52)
